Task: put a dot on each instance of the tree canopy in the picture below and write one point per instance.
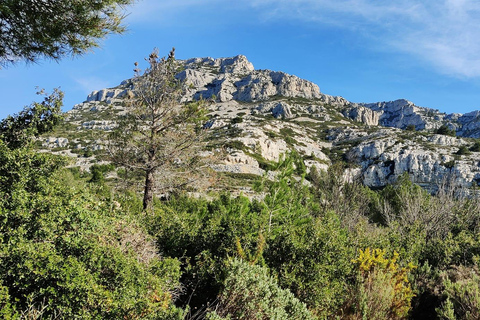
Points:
(158, 131)
(40, 117)
(33, 29)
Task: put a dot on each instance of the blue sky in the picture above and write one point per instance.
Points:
(364, 50)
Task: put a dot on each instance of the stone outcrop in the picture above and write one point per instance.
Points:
(469, 125)
(402, 113)
(263, 114)
(383, 161)
(52, 142)
(107, 95)
(362, 114)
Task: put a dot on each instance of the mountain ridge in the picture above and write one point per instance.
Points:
(260, 114)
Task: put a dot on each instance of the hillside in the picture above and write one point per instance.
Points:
(260, 114)
(272, 237)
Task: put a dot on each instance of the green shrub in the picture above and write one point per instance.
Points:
(237, 119)
(313, 260)
(462, 150)
(203, 234)
(445, 130)
(88, 153)
(250, 293)
(462, 293)
(235, 144)
(98, 172)
(66, 252)
(475, 147)
(97, 175)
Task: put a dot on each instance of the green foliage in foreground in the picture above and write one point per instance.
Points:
(72, 249)
(18, 130)
(250, 293)
(66, 252)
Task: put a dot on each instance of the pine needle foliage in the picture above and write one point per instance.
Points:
(159, 134)
(34, 29)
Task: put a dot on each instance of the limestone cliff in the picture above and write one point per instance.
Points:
(261, 114)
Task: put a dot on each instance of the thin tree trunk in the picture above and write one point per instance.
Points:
(148, 192)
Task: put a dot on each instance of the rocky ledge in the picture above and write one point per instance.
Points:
(261, 114)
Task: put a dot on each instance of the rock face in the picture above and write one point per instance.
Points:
(402, 113)
(362, 114)
(52, 142)
(384, 160)
(258, 85)
(469, 125)
(262, 114)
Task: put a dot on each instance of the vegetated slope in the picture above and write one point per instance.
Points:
(260, 114)
(319, 247)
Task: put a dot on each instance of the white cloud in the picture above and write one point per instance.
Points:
(445, 33)
(89, 84)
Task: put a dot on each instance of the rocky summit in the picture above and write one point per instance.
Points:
(258, 115)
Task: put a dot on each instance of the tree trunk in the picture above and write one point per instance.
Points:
(148, 192)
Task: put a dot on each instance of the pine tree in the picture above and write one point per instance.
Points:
(33, 29)
(158, 133)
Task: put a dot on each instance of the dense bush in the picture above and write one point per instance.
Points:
(444, 129)
(382, 290)
(72, 249)
(65, 252)
(250, 293)
(462, 293)
(313, 260)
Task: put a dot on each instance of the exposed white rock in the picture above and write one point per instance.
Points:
(104, 125)
(445, 140)
(318, 165)
(372, 150)
(401, 113)
(470, 124)
(382, 154)
(277, 109)
(237, 64)
(53, 142)
(363, 115)
(263, 84)
(107, 95)
(282, 110)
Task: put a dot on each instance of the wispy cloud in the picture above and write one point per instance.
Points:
(445, 33)
(89, 84)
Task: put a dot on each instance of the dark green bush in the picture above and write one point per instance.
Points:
(462, 150)
(66, 252)
(445, 130)
(410, 127)
(475, 147)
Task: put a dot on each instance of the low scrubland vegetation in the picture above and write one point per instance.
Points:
(310, 245)
(313, 247)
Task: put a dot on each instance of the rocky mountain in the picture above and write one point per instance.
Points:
(260, 114)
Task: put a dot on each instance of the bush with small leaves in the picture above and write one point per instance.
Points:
(66, 252)
(475, 147)
(382, 290)
(250, 293)
(462, 150)
(462, 294)
(445, 130)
